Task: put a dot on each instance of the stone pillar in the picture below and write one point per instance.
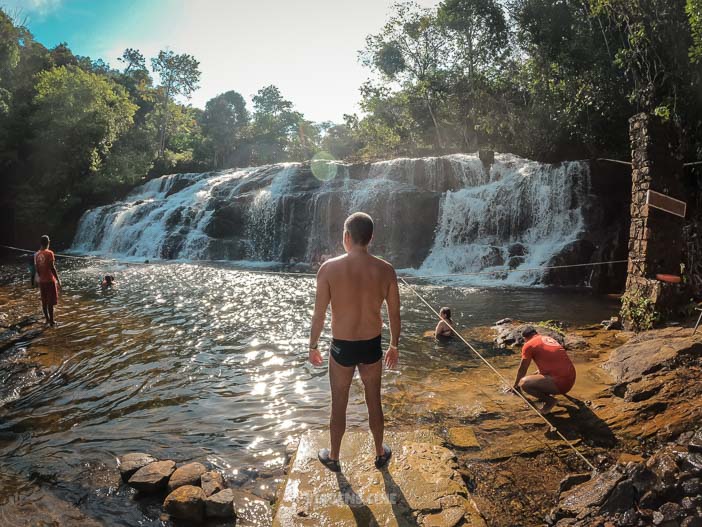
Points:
(655, 237)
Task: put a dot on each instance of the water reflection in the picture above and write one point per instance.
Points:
(199, 362)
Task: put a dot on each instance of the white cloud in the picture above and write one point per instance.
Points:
(31, 7)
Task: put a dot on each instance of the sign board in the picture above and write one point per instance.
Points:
(666, 203)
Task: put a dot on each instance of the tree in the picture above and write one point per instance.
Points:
(133, 60)
(274, 123)
(179, 76)
(225, 123)
(479, 35)
(79, 115)
(412, 49)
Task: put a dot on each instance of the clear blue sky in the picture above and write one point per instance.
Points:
(308, 48)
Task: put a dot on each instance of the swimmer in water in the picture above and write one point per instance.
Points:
(443, 330)
(107, 282)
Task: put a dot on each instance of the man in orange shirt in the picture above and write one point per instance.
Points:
(556, 374)
(49, 281)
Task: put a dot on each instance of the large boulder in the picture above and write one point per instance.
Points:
(152, 477)
(186, 503)
(188, 474)
(130, 463)
(649, 353)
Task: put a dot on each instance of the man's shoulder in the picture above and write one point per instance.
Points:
(383, 264)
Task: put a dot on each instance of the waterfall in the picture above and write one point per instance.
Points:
(435, 215)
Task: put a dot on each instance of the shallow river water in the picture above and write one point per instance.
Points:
(193, 362)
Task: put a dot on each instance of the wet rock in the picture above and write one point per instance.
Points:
(211, 482)
(574, 342)
(250, 509)
(517, 249)
(695, 444)
(503, 321)
(510, 334)
(130, 463)
(649, 500)
(691, 504)
(622, 498)
(220, 505)
(692, 463)
(592, 493)
(152, 477)
(665, 466)
(186, 503)
(692, 487)
(692, 521)
(668, 512)
(188, 474)
(572, 480)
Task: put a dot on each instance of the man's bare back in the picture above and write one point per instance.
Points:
(358, 285)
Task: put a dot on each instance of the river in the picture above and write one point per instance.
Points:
(195, 361)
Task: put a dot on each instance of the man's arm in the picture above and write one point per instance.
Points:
(393, 302)
(521, 372)
(322, 299)
(55, 272)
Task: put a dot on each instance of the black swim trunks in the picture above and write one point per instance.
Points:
(354, 352)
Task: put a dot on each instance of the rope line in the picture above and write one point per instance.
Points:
(408, 277)
(502, 377)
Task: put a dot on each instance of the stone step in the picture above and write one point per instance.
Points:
(421, 485)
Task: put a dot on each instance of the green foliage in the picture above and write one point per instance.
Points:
(553, 325)
(225, 122)
(693, 8)
(639, 311)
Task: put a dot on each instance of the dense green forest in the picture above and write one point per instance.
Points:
(545, 79)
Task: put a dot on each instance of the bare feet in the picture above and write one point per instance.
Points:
(547, 406)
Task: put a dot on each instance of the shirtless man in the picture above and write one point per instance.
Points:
(556, 373)
(49, 281)
(356, 284)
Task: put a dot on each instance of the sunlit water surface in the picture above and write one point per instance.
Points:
(194, 362)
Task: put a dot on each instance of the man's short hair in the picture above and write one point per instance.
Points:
(528, 331)
(360, 227)
(44, 240)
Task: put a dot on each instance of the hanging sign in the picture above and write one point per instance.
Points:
(666, 203)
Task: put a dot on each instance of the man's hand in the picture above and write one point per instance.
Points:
(392, 356)
(315, 357)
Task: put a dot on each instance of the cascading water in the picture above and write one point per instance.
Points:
(438, 215)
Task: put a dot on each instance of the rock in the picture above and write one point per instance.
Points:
(188, 474)
(671, 512)
(692, 521)
(643, 355)
(576, 252)
(692, 463)
(574, 342)
(152, 477)
(572, 480)
(621, 499)
(211, 482)
(446, 518)
(250, 509)
(649, 500)
(186, 503)
(692, 487)
(695, 444)
(515, 261)
(220, 505)
(591, 493)
(516, 249)
(130, 463)
(612, 324)
(665, 466)
(503, 321)
(463, 437)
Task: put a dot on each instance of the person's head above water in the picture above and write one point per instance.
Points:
(445, 313)
(44, 241)
(109, 279)
(358, 230)
(528, 332)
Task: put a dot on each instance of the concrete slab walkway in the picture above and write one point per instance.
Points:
(420, 487)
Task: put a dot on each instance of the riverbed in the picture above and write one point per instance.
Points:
(201, 361)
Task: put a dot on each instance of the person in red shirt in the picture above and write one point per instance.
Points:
(49, 281)
(556, 374)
